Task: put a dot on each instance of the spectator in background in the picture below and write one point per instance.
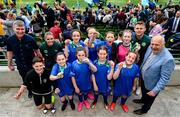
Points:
(121, 19)
(49, 14)
(37, 23)
(173, 25)
(23, 15)
(67, 32)
(63, 14)
(8, 23)
(56, 30)
(157, 27)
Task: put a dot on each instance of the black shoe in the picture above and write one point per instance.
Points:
(138, 101)
(63, 107)
(29, 94)
(139, 112)
(72, 106)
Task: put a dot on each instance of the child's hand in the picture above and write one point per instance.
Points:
(57, 90)
(138, 47)
(18, 94)
(60, 75)
(121, 65)
(86, 60)
(67, 41)
(77, 90)
(111, 63)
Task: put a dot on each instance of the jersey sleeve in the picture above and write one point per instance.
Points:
(55, 70)
(72, 73)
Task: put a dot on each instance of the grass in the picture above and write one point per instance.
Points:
(73, 3)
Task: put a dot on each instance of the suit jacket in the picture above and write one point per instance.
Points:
(169, 26)
(159, 71)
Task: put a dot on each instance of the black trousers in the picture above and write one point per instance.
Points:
(147, 100)
(23, 72)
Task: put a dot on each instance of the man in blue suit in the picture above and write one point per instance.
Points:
(156, 70)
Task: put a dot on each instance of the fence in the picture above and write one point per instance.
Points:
(3, 58)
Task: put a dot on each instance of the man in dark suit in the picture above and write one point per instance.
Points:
(173, 25)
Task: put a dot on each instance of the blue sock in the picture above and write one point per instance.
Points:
(123, 100)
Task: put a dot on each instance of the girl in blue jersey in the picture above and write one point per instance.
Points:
(124, 76)
(71, 46)
(81, 77)
(92, 43)
(101, 78)
(109, 43)
(61, 74)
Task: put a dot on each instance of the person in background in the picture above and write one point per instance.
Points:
(56, 30)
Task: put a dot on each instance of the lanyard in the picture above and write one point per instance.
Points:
(75, 45)
(61, 69)
(105, 63)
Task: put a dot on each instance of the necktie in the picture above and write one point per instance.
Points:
(174, 28)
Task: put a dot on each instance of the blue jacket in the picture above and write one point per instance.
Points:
(158, 73)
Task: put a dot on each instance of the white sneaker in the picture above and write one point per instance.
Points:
(53, 110)
(45, 110)
(138, 91)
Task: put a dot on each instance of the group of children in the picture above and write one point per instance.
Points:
(84, 67)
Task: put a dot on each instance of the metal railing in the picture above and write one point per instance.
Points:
(174, 52)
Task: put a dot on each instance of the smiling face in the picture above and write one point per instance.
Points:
(139, 29)
(102, 54)
(49, 40)
(81, 55)
(157, 44)
(76, 36)
(110, 38)
(19, 31)
(61, 60)
(130, 58)
(38, 67)
(92, 33)
(127, 38)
